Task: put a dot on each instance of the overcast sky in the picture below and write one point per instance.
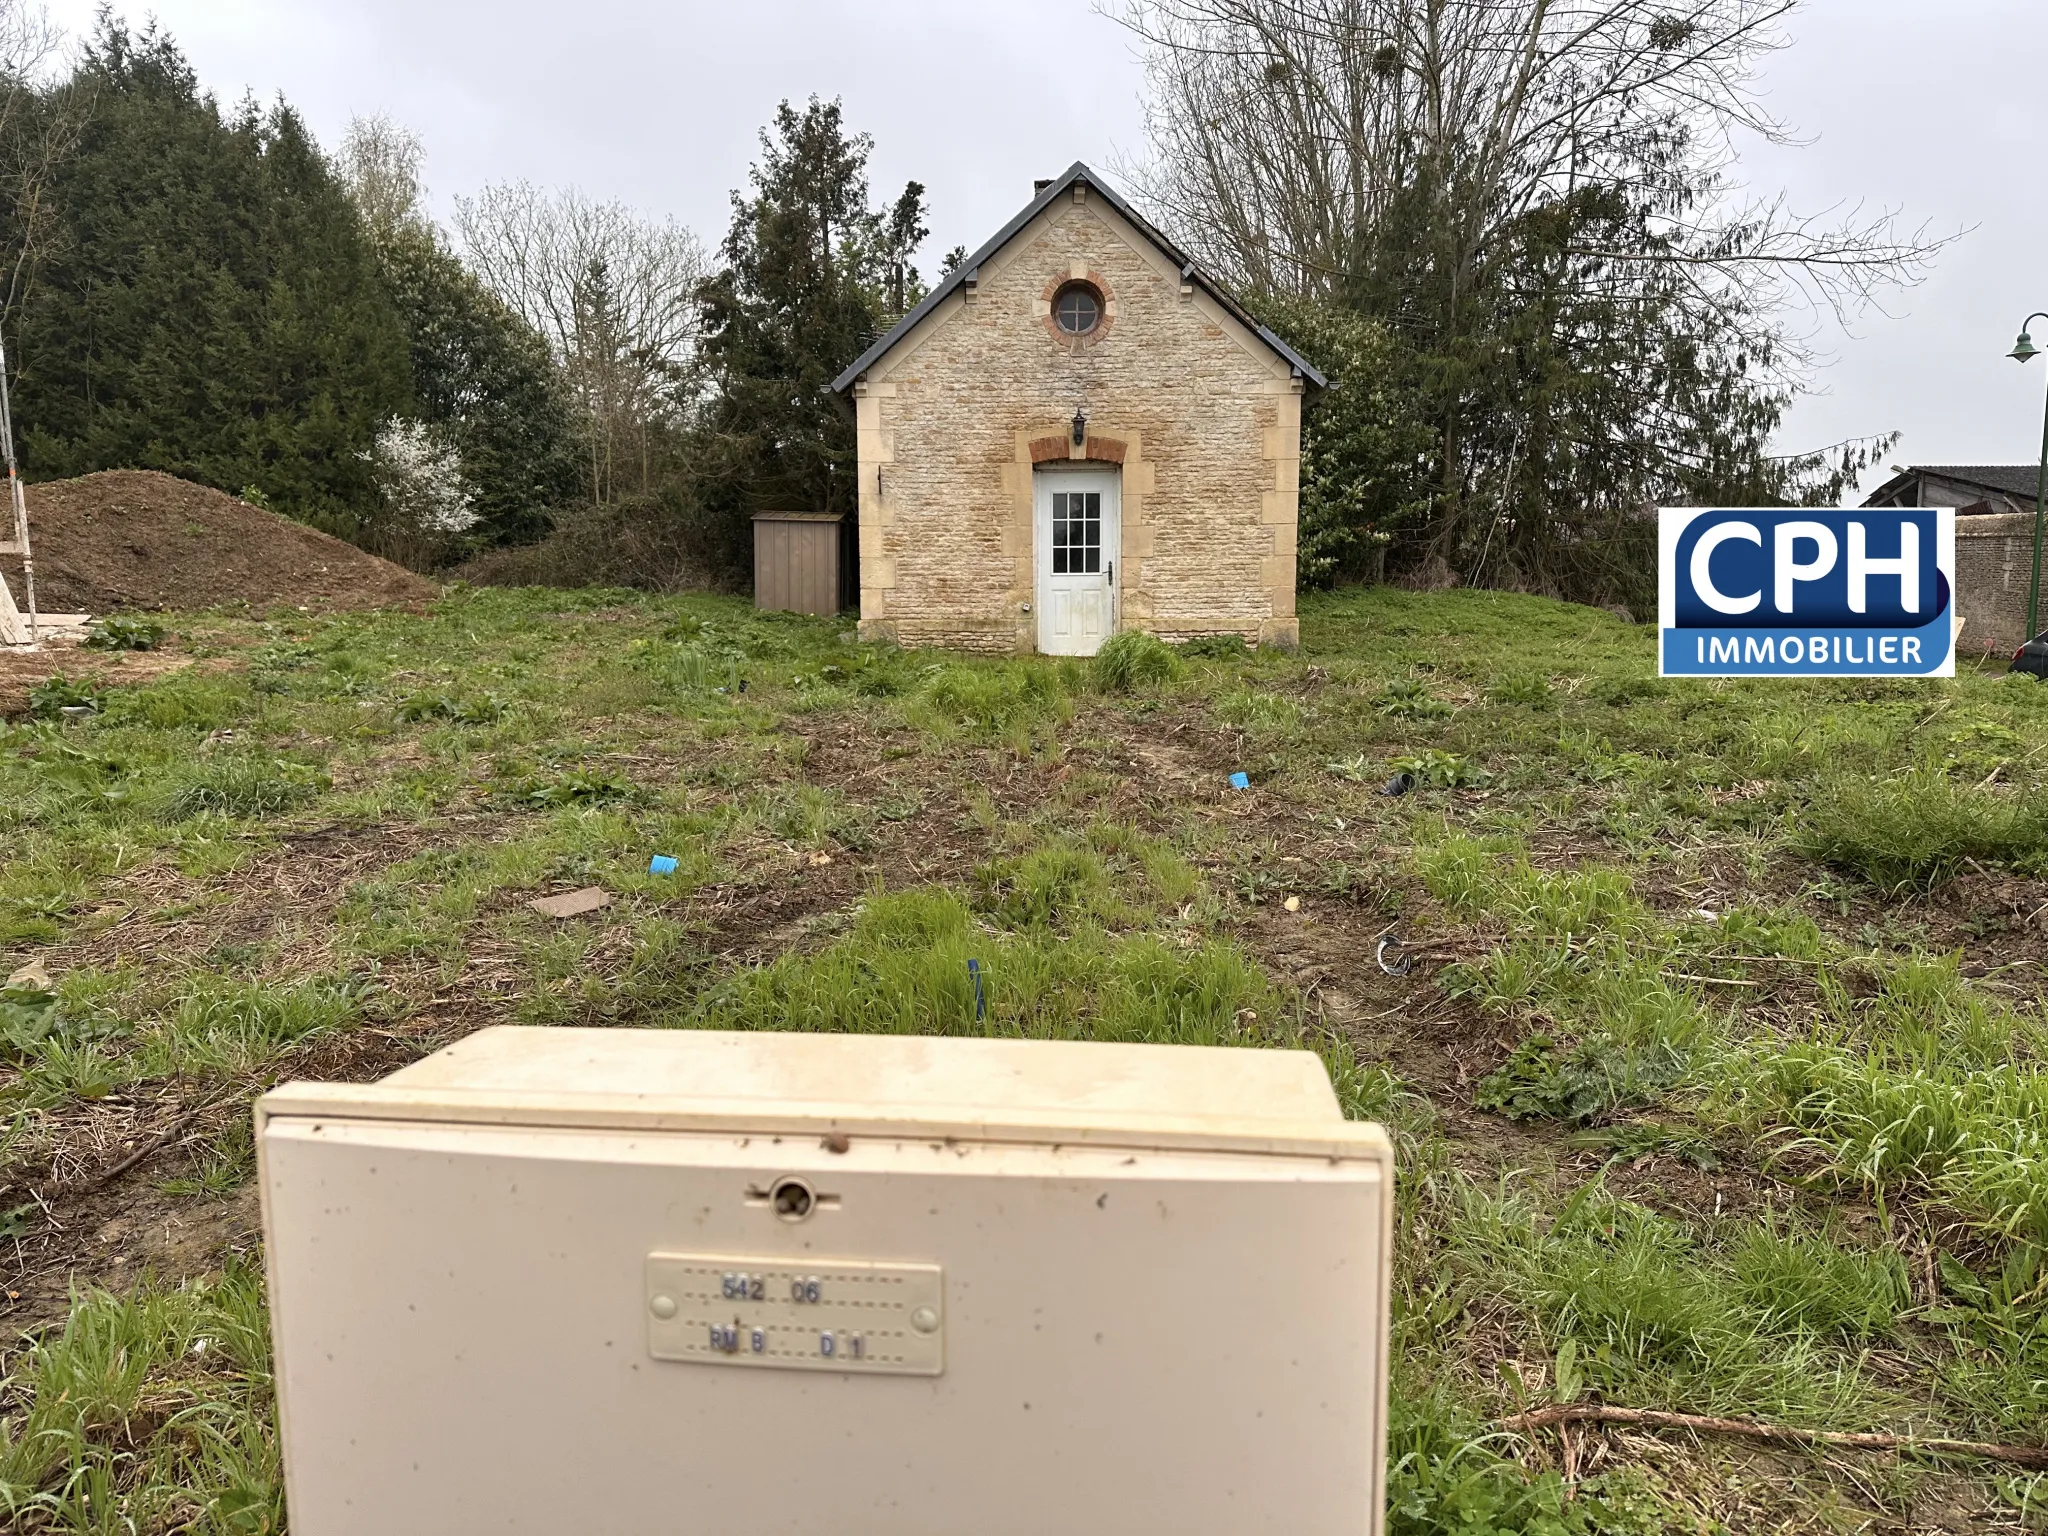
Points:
(1935, 107)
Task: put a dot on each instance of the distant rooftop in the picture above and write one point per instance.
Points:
(2004, 486)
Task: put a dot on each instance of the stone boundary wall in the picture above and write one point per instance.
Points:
(1994, 564)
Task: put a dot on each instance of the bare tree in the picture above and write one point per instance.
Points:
(35, 134)
(614, 294)
(380, 161)
(1522, 192)
(1291, 133)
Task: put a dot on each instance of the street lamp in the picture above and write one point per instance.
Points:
(2023, 349)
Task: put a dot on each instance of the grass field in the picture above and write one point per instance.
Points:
(1709, 1018)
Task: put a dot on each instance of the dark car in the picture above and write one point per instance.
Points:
(2032, 657)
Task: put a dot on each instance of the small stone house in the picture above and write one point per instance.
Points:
(1077, 432)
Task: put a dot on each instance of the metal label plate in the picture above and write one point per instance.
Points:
(839, 1315)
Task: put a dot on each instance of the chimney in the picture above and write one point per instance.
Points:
(1040, 185)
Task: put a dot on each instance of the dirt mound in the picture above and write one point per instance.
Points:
(133, 538)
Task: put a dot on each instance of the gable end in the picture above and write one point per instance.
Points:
(968, 273)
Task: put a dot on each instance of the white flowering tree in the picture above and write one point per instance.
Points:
(428, 502)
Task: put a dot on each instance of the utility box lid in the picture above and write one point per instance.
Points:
(1223, 1098)
(1050, 1083)
(620, 1281)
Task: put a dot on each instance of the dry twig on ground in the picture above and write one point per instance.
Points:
(1599, 1413)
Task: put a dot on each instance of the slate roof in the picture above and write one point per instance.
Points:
(1051, 193)
(2017, 480)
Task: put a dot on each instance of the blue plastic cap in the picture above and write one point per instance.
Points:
(661, 864)
(1240, 781)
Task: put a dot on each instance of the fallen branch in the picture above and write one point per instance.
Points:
(181, 1122)
(1596, 1413)
(140, 1155)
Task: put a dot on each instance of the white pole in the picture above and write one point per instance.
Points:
(20, 502)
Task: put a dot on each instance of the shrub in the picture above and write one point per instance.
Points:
(646, 542)
(1132, 660)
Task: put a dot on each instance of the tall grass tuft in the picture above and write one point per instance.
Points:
(248, 787)
(1661, 1317)
(1134, 660)
(149, 1412)
(1928, 1086)
(996, 701)
(903, 970)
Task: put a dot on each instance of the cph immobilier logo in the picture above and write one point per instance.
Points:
(1793, 592)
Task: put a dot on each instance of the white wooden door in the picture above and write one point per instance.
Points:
(1080, 540)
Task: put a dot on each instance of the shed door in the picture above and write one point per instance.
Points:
(1079, 541)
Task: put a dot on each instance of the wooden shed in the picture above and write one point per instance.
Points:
(804, 562)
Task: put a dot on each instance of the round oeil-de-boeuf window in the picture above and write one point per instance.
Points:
(1077, 309)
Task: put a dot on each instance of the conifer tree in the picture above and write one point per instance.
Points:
(809, 275)
(212, 306)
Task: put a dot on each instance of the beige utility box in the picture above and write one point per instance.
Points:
(629, 1282)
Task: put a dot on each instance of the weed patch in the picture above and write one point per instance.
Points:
(1921, 828)
(49, 699)
(124, 632)
(1581, 1081)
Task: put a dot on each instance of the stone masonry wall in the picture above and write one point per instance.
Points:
(1204, 420)
(1994, 565)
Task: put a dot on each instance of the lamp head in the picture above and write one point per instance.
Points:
(1080, 428)
(2023, 349)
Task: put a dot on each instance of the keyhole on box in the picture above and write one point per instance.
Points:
(792, 1199)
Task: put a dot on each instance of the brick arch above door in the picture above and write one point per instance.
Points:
(1060, 445)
